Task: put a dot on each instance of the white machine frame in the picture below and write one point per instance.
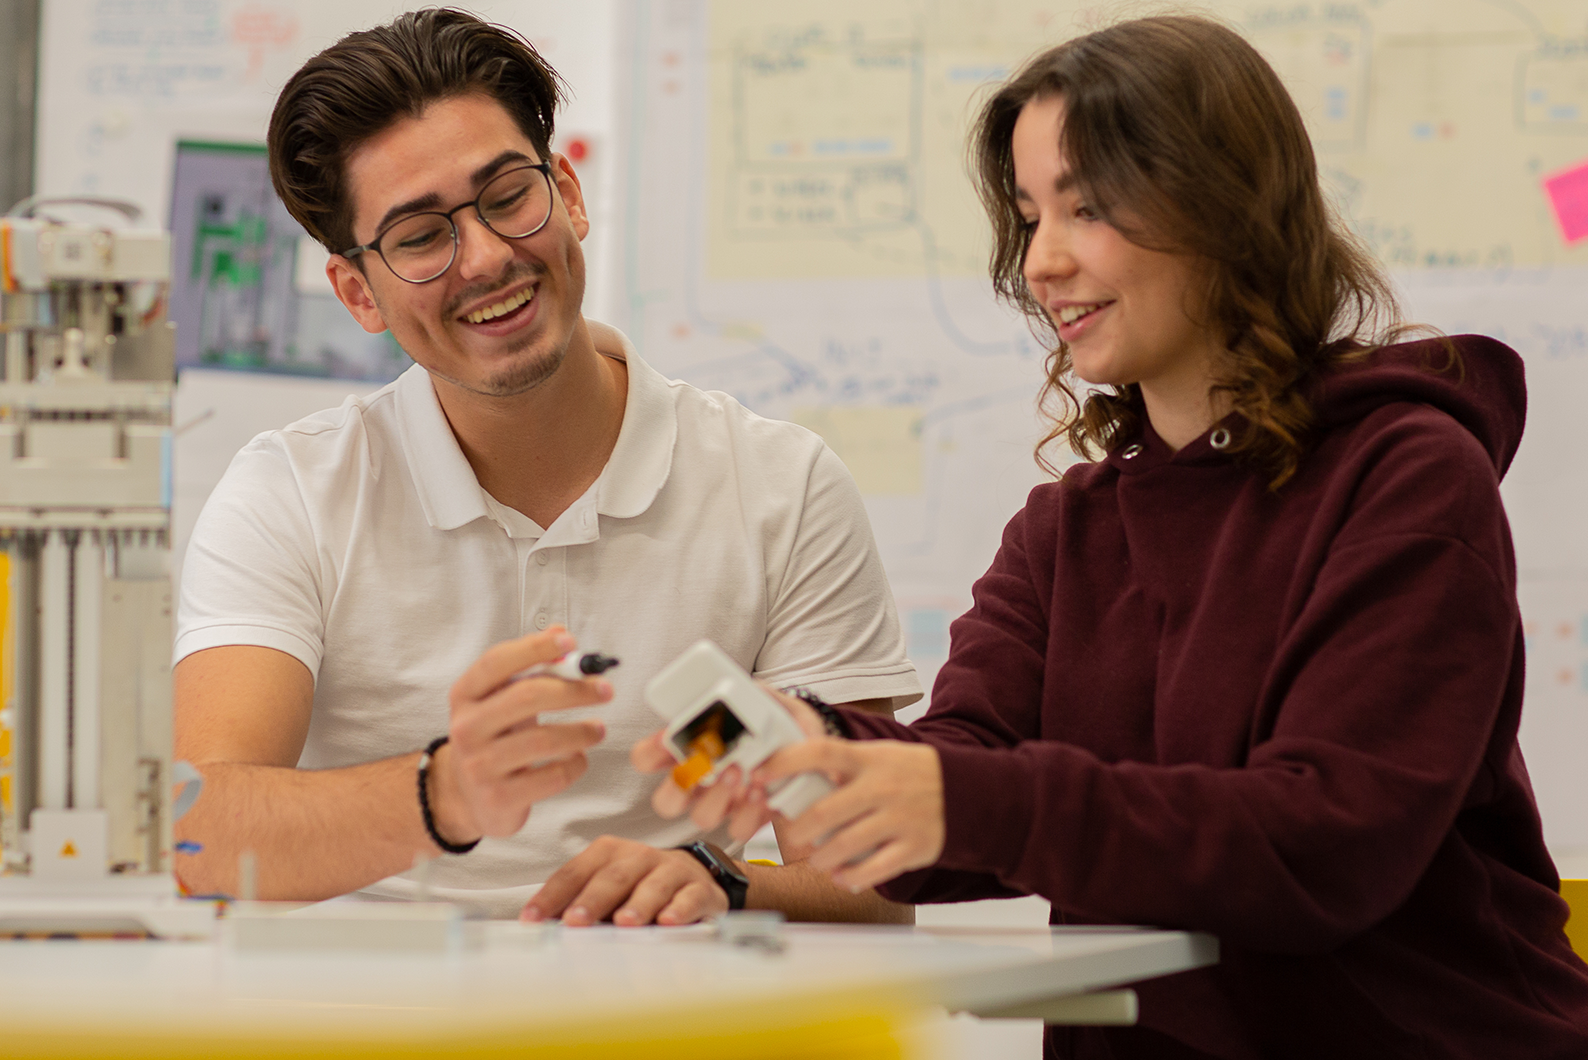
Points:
(85, 625)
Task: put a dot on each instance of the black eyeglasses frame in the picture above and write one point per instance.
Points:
(545, 171)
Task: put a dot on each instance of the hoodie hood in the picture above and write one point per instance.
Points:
(1483, 389)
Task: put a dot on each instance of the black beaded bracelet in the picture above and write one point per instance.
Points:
(424, 802)
(832, 721)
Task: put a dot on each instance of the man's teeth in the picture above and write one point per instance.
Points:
(507, 305)
(1071, 313)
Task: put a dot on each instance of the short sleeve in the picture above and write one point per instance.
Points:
(250, 574)
(833, 626)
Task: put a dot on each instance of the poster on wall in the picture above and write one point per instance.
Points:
(248, 285)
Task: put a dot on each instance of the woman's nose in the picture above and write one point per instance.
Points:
(1048, 254)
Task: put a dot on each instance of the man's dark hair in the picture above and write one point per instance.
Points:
(370, 79)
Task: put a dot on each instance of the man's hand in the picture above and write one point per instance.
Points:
(500, 759)
(632, 883)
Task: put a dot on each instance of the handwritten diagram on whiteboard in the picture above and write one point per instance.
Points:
(799, 231)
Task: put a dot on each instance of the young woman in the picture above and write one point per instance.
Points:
(1257, 670)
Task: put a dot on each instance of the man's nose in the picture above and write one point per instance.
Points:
(481, 252)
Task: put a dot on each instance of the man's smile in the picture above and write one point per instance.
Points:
(501, 307)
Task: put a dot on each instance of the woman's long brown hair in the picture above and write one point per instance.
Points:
(1181, 136)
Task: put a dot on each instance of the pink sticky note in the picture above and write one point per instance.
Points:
(1568, 194)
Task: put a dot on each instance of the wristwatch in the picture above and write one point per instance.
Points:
(733, 882)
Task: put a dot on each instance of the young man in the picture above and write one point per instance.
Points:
(528, 477)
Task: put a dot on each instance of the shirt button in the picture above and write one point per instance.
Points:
(542, 558)
(541, 621)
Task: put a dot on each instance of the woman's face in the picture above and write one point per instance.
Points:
(1121, 308)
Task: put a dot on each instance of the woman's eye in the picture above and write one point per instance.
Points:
(1085, 212)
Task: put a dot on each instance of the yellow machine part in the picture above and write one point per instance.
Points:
(7, 673)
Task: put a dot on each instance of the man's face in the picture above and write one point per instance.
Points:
(435, 162)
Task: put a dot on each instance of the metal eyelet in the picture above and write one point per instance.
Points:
(1130, 452)
(1219, 438)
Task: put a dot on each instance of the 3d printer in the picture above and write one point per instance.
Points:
(85, 596)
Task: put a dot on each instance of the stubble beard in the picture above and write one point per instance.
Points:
(523, 375)
(527, 371)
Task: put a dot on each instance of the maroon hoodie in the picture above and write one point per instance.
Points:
(1287, 718)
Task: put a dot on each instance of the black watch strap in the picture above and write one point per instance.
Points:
(735, 884)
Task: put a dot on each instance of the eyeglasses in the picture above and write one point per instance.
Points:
(418, 248)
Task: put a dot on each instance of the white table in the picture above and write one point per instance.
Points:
(601, 991)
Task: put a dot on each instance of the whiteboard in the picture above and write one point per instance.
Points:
(805, 237)
(1441, 126)
(120, 83)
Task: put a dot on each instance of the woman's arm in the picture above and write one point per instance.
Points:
(1390, 709)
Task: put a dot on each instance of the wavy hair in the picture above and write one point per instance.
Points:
(1183, 138)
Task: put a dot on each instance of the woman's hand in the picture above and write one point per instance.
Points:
(727, 797)
(886, 817)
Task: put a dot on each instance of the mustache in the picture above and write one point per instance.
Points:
(515, 273)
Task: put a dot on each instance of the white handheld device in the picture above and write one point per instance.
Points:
(717, 716)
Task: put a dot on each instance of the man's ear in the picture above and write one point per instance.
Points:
(572, 194)
(352, 288)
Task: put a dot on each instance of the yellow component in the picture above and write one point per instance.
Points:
(7, 670)
(704, 750)
(687, 773)
(68, 851)
(1576, 894)
(6, 684)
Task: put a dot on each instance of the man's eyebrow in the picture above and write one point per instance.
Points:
(491, 168)
(428, 201)
(431, 200)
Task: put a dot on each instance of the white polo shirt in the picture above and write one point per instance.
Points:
(359, 541)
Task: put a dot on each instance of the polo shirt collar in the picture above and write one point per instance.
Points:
(444, 481)
(641, 461)
(643, 456)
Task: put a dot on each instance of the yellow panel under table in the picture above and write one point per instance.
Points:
(830, 1028)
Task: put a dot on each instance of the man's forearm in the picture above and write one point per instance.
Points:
(802, 893)
(314, 833)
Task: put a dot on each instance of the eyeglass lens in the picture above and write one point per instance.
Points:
(513, 204)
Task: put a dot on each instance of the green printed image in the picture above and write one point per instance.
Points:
(248, 290)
